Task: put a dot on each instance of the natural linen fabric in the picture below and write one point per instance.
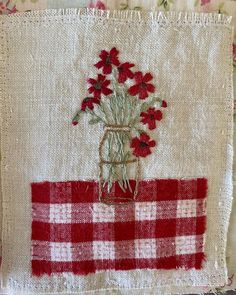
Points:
(45, 60)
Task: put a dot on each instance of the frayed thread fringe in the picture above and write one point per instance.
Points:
(171, 17)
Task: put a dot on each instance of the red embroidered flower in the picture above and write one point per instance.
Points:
(164, 104)
(204, 2)
(142, 87)
(125, 72)
(107, 60)
(89, 102)
(150, 117)
(142, 145)
(99, 5)
(99, 86)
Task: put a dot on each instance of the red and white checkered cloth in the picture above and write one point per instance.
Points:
(163, 229)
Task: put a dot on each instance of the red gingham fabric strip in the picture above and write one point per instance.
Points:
(163, 229)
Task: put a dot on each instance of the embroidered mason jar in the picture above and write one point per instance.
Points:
(119, 169)
(124, 102)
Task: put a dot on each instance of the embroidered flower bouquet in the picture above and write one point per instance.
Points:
(124, 102)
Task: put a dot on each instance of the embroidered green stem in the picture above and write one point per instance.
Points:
(122, 100)
(95, 118)
(165, 3)
(116, 158)
(121, 109)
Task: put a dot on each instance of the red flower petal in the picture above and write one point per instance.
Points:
(97, 93)
(127, 65)
(104, 54)
(91, 89)
(143, 93)
(150, 88)
(114, 56)
(151, 110)
(143, 114)
(130, 74)
(135, 142)
(139, 152)
(107, 69)
(96, 100)
(107, 91)
(114, 52)
(131, 65)
(145, 152)
(147, 77)
(144, 137)
(133, 90)
(164, 104)
(92, 81)
(158, 115)
(101, 77)
(115, 61)
(152, 124)
(138, 76)
(125, 72)
(99, 64)
(122, 77)
(152, 143)
(106, 83)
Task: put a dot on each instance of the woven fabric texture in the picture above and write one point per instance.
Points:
(73, 232)
(46, 58)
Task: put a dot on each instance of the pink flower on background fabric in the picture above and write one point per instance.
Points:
(204, 2)
(7, 7)
(98, 4)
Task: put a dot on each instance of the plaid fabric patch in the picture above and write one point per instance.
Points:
(73, 232)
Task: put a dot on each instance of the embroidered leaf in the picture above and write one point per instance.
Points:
(137, 8)
(75, 120)
(95, 121)
(221, 9)
(145, 106)
(165, 4)
(124, 6)
(160, 2)
(138, 132)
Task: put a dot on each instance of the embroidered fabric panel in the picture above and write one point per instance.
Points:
(224, 6)
(79, 234)
(73, 232)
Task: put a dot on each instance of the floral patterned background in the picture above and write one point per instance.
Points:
(220, 6)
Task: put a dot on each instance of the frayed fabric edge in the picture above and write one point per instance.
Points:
(161, 17)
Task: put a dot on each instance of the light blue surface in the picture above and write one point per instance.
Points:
(67, 3)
